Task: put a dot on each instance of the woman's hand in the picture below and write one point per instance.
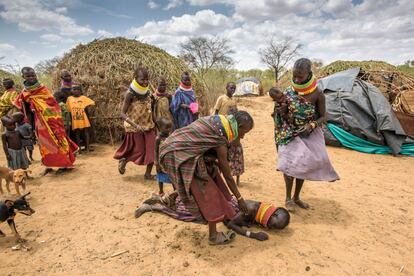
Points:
(306, 130)
(242, 205)
(138, 128)
(260, 236)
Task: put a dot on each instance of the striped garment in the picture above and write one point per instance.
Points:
(181, 153)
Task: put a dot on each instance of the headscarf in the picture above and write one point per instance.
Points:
(227, 126)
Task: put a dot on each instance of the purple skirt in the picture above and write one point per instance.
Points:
(306, 158)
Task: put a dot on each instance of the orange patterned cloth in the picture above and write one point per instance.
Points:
(56, 149)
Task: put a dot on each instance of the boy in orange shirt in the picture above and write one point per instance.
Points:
(77, 105)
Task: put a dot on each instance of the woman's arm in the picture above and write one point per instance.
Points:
(226, 171)
(125, 106)
(235, 225)
(321, 108)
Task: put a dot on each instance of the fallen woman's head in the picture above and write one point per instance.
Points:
(279, 220)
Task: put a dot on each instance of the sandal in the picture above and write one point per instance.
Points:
(302, 204)
(290, 205)
(121, 165)
(223, 238)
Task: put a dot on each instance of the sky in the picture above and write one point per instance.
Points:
(329, 30)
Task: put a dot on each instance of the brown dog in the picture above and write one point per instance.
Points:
(18, 177)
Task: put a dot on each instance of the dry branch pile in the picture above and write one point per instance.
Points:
(105, 69)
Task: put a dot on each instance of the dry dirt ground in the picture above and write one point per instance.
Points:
(360, 225)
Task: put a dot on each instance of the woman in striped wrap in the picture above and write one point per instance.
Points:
(201, 195)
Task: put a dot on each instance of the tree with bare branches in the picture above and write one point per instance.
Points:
(47, 66)
(203, 54)
(277, 54)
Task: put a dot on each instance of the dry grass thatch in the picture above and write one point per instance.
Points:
(105, 69)
(17, 80)
(341, 65)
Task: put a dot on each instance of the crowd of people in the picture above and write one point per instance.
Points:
(202, 157)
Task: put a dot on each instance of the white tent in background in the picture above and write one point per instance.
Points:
(247, 87)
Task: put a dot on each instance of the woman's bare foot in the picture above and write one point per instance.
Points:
(302, 204)
(148, 208)
(47, 171)
(142, 209)
(121, 165)
(150, 177)
(154, 199)
(290, 205)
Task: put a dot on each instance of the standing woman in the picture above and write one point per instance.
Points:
(44, 114)
(139, 142)
(302, 152)
(181, 103)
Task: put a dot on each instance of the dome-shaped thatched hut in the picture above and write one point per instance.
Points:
(105, 70)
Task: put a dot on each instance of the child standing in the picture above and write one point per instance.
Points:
(67, 119)
(77, 105)
(26, 132)
(165, 127)
(226, 102)
(226, 105)
(13, 145)
(162, 102)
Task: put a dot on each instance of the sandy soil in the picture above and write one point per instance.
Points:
(361, 225)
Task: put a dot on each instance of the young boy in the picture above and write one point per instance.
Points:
(162, 101)
(13, 145)
(165, 127)
(67, 120)
(26, 132)
(77, 105)
(226, 102)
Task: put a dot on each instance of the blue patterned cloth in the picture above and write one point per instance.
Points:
(183, 116)
(163, 177)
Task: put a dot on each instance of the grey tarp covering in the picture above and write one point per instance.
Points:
(360, 108)
(253, 79)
